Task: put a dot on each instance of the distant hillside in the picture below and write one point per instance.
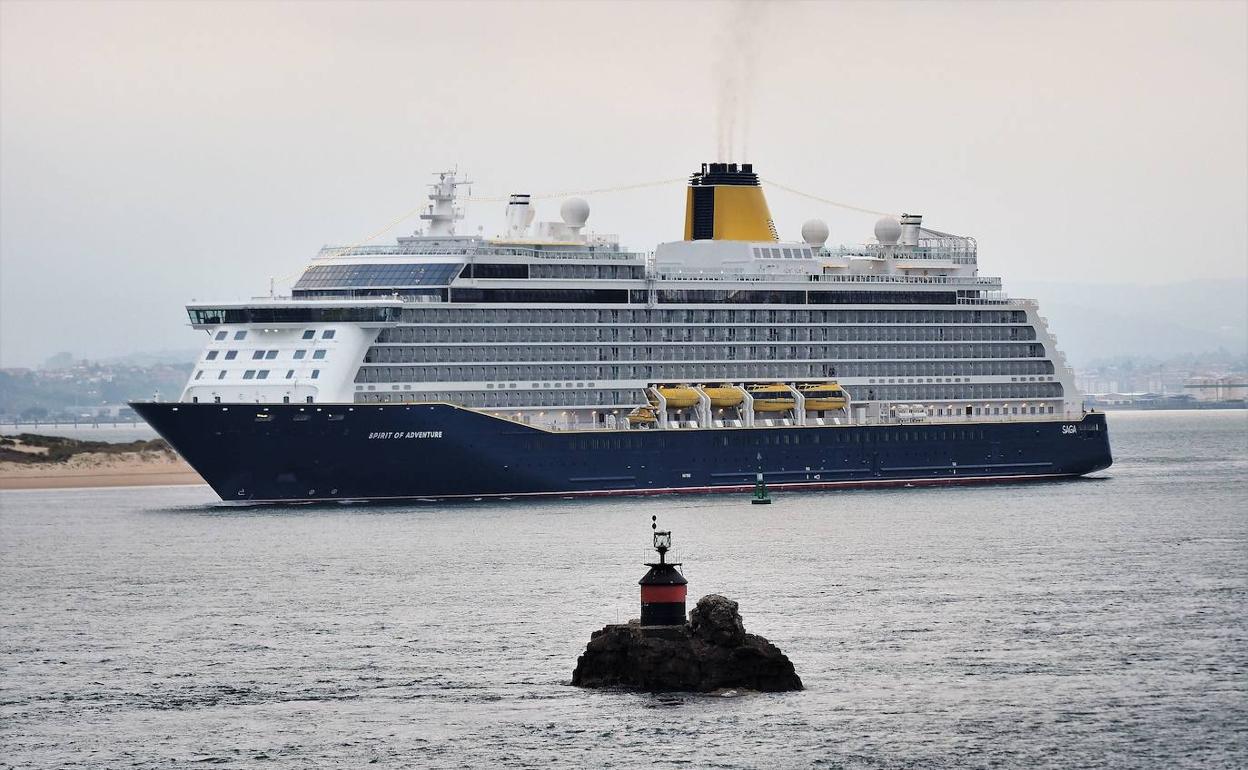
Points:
(1105, 320)
(35, 393)
(155, 358)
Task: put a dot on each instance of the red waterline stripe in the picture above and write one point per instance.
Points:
(946, 481)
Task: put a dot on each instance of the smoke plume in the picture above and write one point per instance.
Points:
(736, 60)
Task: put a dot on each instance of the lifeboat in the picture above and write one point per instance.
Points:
(823, 396)
(678, 396)
(642, 415)
(771, 398)
(724, 395)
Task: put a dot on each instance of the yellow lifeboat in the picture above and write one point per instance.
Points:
(823, 396)
(771, 398)
(724, 395)
(642, 415)
(678, 396)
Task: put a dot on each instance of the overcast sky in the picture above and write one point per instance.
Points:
(151, 153)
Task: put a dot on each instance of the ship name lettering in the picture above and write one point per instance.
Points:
(1068, 429)
(393, 434)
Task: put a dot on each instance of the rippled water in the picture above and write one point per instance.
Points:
(1092, 623)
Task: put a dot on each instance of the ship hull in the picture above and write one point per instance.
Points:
(298, 453)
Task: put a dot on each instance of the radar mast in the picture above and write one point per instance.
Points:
(442, 212)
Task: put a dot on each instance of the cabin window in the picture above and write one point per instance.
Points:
(300, 354)
(230, 355)
(308, 334)
(220, 336)
(318, 354)
(250, 374)
(240, 335)
(328, 334)
(212, 355)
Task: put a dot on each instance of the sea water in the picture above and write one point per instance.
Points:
(1099, 622)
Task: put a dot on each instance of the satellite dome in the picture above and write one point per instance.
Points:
(887, 231)
(574, 211)
(815, 232)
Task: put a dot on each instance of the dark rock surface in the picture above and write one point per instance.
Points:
(710, 652)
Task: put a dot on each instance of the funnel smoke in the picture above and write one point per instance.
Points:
(735, 64)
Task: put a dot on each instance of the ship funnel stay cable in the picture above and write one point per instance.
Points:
(837, 204)
(570, 193)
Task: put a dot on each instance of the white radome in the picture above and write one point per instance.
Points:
(887, 231)
(815, 232)
(575, 212)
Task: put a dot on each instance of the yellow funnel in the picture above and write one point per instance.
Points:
(725, 203)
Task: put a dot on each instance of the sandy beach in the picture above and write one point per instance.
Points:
(100, 470)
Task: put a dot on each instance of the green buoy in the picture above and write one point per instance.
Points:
(761, 496)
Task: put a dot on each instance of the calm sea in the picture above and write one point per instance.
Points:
(1093, 623)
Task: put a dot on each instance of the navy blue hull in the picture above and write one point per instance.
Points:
(293, 452)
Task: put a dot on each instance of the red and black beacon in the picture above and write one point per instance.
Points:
(663, 589)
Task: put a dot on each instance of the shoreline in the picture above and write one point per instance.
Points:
(99, 480)
(96, 470)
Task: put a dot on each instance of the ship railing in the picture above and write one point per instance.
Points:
(414, 250)
(894, 417)
(959, 255)
(942, 280)
(985, 301)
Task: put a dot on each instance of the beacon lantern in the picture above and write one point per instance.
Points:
(663, 588)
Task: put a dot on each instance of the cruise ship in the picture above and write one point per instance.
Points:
(552, 361)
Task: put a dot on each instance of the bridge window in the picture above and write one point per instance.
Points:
(328, 334)
(240, 335)
(309, 334)
(220, 335)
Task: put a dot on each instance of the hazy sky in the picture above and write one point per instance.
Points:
(151, 153)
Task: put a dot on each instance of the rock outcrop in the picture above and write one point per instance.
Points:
(710, 652)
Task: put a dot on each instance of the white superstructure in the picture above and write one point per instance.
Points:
(552, 325)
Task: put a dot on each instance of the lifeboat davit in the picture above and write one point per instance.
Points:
(771, 398)
(642, 415)
(823, 396)
(678, 396)
(723, 396)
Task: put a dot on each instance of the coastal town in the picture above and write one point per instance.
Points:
(66, 390)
